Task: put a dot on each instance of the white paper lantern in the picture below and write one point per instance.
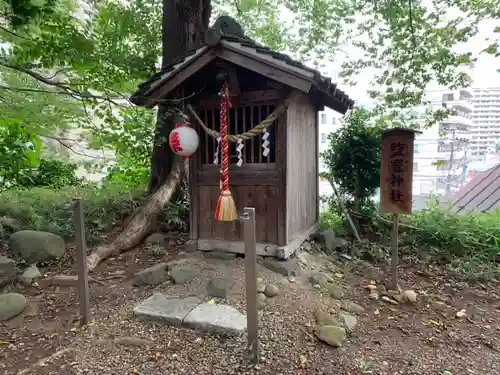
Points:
(183, 140)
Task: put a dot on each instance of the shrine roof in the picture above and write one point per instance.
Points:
(481, 194)
(241, 50)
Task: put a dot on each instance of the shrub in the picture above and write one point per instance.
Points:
(51, 173)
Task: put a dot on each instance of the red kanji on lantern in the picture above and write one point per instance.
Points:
(183, 140)
(175, 142)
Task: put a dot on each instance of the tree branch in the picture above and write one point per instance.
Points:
(62, 143)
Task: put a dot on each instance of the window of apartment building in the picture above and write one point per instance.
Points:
(415, 149)
(415, 167)
(323, 118)
(447, 97)
(324, 137)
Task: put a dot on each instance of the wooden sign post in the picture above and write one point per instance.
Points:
(81, 261)
(396, 177)
(251, 283)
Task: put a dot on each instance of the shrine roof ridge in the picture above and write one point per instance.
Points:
(401, 129)
(228, 33)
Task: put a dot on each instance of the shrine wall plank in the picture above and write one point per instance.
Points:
(301, 164)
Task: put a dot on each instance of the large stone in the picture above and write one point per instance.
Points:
(319, 278)
(167, 310)
(11, 305)
(183, 273)
(324, 318)
(156, 239)
(335, 291)
(33, 246)
(222, 319)
(8, 270)
(329, 241)
(31, 274)
(219, 287)
(153, 275)
(284, 267)
(349, 321)
(332, 335)
(353, 308)
(220, 254)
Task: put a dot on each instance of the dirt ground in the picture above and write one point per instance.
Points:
(424, 339)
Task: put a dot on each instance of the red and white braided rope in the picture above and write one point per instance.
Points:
(225, 105)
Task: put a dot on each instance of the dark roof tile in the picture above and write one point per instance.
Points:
(322, 83)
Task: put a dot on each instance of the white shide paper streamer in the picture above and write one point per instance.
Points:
(239, 149)
(216, 153)
(265, 143)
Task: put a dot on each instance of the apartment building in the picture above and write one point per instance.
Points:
(441, 152)
(486, 117)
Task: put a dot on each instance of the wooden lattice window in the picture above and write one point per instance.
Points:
(240, 119)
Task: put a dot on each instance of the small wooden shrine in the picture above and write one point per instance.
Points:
(273, 137)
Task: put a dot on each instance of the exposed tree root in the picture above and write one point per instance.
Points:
(143, 220)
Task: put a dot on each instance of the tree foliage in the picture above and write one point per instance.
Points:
(353, 156)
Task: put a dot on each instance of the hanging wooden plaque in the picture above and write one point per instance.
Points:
(396, 170)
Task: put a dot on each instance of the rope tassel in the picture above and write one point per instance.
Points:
(226, 209)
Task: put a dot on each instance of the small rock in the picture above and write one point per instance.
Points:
(156, 238)
(291, 279)
(261, 297)
(410, 296)
(261, 305)
(260, 280)
(389, 300)
(219, 287)
(331, 335)
(183, 273)
(12, 224)
(153, 275)
(30, 274)
(8, 270)
(261, 288)
(284, 267)
(324, 318)
(335, 291)
(373, 295)
(353, 308)
(318, 278)
(271, 290)
(461, 314)
(371, 287)
(349, 321)
(11, 305)
(385, 364)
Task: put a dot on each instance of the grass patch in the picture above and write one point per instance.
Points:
(467, 244)
(50, 209)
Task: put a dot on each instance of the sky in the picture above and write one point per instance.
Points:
(484, 73)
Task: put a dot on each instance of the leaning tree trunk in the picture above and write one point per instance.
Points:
(143, 220)
(184, 24)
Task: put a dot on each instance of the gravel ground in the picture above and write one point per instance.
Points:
(425, 339)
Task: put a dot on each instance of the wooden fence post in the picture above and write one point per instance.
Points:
(251, 283)
(81, 261)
